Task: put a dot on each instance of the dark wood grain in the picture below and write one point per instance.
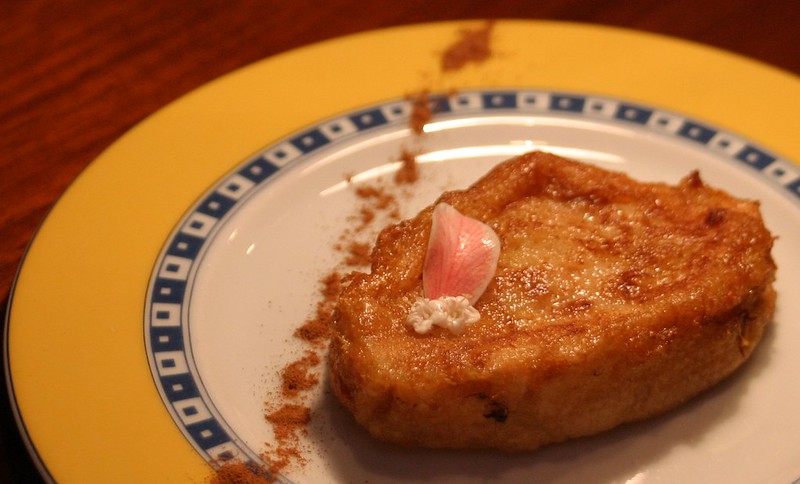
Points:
(76, 75)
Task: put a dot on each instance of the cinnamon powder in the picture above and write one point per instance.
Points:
(359, 254)
(408, 170)
(290, 419)
(374, 199)
(376, 196)
(241, 473)
(315, 331)
(421, 111)
(289, 422)
(298, 377)
(474, 45)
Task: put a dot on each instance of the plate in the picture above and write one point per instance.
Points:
(150, 318)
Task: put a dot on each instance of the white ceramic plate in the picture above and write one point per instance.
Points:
(240, 274)
(151, 357)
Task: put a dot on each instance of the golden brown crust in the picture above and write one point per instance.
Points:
(613, 301)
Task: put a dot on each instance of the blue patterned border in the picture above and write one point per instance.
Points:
(166, 324)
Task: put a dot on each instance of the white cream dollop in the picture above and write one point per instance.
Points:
(451, 312)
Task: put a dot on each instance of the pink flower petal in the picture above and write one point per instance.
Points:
(462, 255)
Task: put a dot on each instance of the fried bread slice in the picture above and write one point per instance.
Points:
(613, 301)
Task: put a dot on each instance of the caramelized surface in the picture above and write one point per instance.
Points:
(607, 292)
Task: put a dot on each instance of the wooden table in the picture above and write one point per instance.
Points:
(74, 76)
